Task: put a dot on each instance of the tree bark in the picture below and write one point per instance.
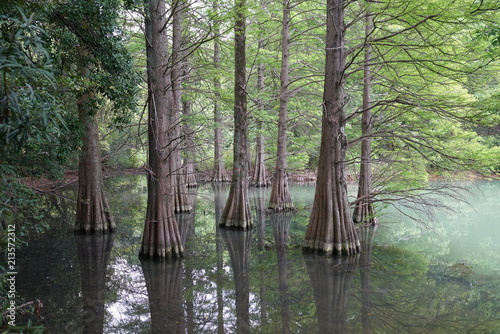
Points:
(364, 211)
(161, 238)
(259, 178)
(331, 228)
(189, 164)
(237, 212)
(220, 174)
(280, 199)
(92, 208)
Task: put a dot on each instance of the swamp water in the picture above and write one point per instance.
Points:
(407, 279)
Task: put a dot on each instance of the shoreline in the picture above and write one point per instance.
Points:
(70, 177)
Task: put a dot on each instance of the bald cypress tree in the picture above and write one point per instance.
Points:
(331, 228)
(280, 199)
(237, 210)
(161, 238)
(364, 211)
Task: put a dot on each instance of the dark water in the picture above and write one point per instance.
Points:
(407, 279)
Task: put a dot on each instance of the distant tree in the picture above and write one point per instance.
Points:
(237, 210)
(176, 60)
(364, 211)
(331, 228)
(280, 199)
(220, 174)
(259, 176)
(161, 238)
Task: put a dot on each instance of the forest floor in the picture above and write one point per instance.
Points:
(70, 177)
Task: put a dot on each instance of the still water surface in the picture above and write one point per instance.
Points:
(407, 279)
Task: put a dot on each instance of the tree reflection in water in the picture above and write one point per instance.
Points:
(281, 225)
(219, 189)
(164, 285)
(93, 257)
(186, 221)
(164, 282)
(238, 246)
(259, 195)
(331, 278)
(367, 236)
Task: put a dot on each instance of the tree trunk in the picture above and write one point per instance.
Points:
(92, 208)
(280, 199)
(237, 210)
(259, 178)
(363, 210)
(220, 174)
(161, 238)
(189, 164)
(180, 186)
(331, 228)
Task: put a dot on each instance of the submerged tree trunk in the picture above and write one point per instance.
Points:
(220, 174)
(363, 209)
(237, 210)
(331, 228)
(92, 208)
(280, 199)
(161, 238)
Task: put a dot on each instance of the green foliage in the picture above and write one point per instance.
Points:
(93, 25)
(29, 109)
(20, 206)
